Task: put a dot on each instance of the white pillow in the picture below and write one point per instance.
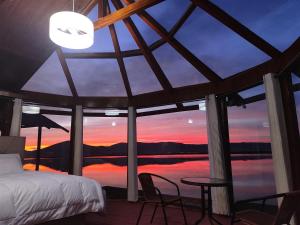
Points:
(10, 163)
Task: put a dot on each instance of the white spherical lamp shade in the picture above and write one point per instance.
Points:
(71, 30)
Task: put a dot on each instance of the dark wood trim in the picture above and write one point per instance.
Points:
(101, 8)
(182, 19)
(38, 149)
(6, 112)
(67, 72)
(89, 7)
(238, 82)
(134, 52)
(291, 120)
(292, 129)
(120, 60)
(72, 142)
(124, 13)
(224, 127)
(237, 27)
(183, 51)
(145, 49)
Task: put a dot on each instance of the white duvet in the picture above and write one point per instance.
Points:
(36, 197)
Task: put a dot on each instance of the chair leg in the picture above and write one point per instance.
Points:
(140, 214)
(165, 214)
(155, 208)
(183, 213)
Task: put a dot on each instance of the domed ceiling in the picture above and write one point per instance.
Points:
(162, 48)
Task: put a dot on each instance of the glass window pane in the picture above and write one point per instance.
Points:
(251, 156)
(147, 32)
(54, 144)
(174, 146)
(217, 46)
(177, 69)
(276, 21)
(252, 91)
(140, 75)
(105, 150)
(49, 78)
(97, 77)
(168, 12)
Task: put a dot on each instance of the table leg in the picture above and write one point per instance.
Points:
(203, 206)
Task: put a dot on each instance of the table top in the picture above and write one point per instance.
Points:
(205, 181)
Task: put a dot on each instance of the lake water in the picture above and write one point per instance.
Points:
(251, 178)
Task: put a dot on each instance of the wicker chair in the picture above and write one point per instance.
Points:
(153, 195)
(289, 205)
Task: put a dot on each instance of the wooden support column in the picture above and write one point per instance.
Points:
(77, 140)
(284, 134)
(38, 149)
(278, 132)
(216, 149)
(132, 178)
(15, 127)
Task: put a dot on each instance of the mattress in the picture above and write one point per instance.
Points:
(34, 197)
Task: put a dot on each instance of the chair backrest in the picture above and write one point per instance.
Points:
(147, 186)
(290, 204)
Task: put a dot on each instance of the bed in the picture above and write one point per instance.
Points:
(28, 197)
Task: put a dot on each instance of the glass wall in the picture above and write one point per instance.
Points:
(174, 145)
(251, 151)
(105, 150)
(54, 145)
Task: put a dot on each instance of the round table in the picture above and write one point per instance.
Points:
(206, 184)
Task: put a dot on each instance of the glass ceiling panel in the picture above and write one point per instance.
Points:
(178, 71)
(276, 21)
(295, 78)
(125, 39)
(97, 77)
(49, 78)
(147, 32)
(168, 12)
(140, 75)
(221, 49)
(253, 91)
(102, 39)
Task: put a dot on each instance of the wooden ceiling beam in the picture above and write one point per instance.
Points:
(89, 7)
(145, 49)
(237, 27)
(134, 52)
(67, 101)
(183, 51)
(159, 73)
(118, 52)
(67, 72)
(124, 13)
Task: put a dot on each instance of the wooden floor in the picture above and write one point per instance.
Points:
(120, 212)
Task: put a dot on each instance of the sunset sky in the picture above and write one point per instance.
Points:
(277, 21)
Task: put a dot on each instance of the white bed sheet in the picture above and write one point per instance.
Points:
(36, 197)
